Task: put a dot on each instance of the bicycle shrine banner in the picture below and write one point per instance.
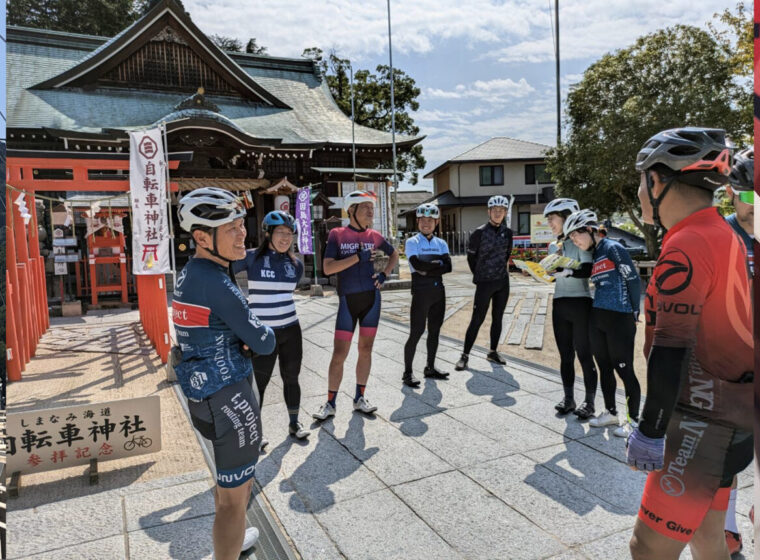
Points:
(147, 183)
(58, 438)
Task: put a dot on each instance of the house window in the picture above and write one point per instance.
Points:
(523, 223)
(537, 172)
(491, 175)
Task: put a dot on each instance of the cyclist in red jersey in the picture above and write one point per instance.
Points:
(699, 348)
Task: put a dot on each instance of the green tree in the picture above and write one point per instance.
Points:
(94, 17)
(253, 48)
(372, 102)
(227, 43)
(734, 33)
(679, 76)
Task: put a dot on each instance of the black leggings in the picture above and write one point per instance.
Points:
(570, 319)
(428, 305)
(289, 347)
(612, 335)
(497, 294)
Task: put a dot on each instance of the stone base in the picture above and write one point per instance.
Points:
(316, 290)
(71, 308)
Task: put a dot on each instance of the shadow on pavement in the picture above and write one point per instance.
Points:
(179, 545)
(415, 426)
(578, 471)
(497, 383)
(77, 486)
(331, 461)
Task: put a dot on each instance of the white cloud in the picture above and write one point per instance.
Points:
(360, 29)
(590, 28)
(491, 91)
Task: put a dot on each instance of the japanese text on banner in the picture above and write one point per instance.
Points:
(147, 183)
(303, 217)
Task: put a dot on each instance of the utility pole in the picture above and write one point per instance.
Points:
(556, 58)
(393, 130)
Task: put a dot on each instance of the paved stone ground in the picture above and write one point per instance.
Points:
(475, 467)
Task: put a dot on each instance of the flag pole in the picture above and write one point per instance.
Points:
(393, 130)
(169, 203)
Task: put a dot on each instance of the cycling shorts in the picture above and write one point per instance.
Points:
(701, 460)
(230, 418)
(363, 307)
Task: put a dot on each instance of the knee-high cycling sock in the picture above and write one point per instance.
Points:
(731, 513)
(331, 395)
(359, 392)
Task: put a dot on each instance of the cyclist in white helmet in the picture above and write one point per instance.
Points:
(571, 309)
(215, 328)
(429, 260)
(613, 317)
(350, 253)
(488, 254)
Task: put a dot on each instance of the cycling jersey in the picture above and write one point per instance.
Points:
(747, 238)
(568, 286)
(272, 278)
(211, 317)
(617, 283)
(488, 252)
(424, 251)
(699, 299)
(346, 241)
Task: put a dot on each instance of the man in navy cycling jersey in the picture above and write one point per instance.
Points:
(350, 254)
(740, 189)
(429, 260)
(214, 326)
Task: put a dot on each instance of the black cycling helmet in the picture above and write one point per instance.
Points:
(742, 177)
(696, 156)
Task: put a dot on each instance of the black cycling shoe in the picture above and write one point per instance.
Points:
(435, 374)
(493, 356)
(409, 380)
(462, 363)
(565, 405)
(585, 411)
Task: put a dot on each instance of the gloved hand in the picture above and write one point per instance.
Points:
(379, 279)
(644, 453)
(636, 316)
(564, 273)
(365, 255)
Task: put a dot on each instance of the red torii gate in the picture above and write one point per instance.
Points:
(27, 317)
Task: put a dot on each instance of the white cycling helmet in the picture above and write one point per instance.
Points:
(498, 200)
(428, 210)
(579, 220)
(562, 206)
(357, 197)
(208, 207)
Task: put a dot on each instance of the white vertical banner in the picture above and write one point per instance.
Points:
(150, 221)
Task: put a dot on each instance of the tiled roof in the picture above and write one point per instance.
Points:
(36, 56)
(499, 148)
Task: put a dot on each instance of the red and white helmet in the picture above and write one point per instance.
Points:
(357, 197)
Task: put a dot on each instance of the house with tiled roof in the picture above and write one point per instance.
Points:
(507, 166)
